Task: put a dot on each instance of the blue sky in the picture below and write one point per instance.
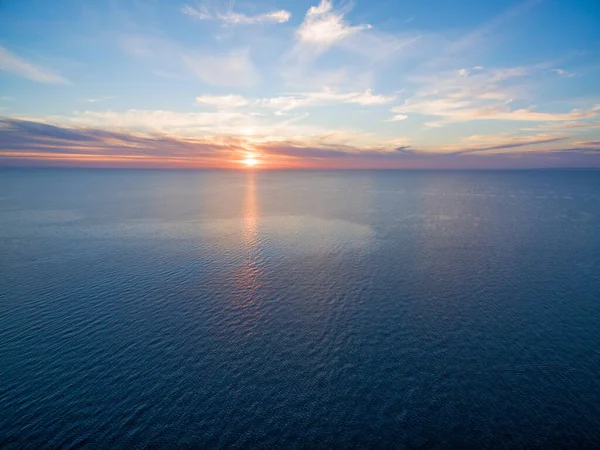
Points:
(300, 83)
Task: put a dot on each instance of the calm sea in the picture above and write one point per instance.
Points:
(225, 309)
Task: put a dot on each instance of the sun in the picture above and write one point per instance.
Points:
(250, 161)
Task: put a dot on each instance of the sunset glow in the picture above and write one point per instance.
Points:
(311, 84)
(250, 161)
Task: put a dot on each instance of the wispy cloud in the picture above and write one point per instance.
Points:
(99, 99)
(10, 62)
(230, 68)
(326, 30)
(323, 27)
(230, 101)
(564, 73)
(234, 68)
(480, 34)
(494, 143)
(594, 144)
(219, 124)
(33, 142)
(479, 94)
(297, 100)
(326, 97)
(157, 120)
(566, 126)
(397, 118)
(229, 17)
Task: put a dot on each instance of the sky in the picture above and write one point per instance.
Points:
(300, 84)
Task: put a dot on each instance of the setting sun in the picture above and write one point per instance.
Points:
(250, 161)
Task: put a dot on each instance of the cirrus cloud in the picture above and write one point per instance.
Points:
(10, 62)
(463, 96)
(230, 69)
(203, 12)
(297, 100)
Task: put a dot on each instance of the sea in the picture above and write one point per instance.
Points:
(258, 309)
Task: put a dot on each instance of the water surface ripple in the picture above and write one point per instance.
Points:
(299, 309)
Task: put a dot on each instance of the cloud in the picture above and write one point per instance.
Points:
(100, 99)
(377, 46)
(10, 62)
(323, 27)
(27, 141)
(482, 95)
(232, 18)
(242, 122)
(367, 98)
(230, 69)
(330, 96)
(564, 73)
(483, 32)
(289, 102)
(223, 101)
(489, 143)
(32, 142)
(587, 144)
(459, 113)
(572, 126)
(157, 120)
(222, 123)
(397, 118)
(349, 157)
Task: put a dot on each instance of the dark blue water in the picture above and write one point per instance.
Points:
(299, 309)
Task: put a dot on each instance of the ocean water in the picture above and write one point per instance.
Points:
(375, 309)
